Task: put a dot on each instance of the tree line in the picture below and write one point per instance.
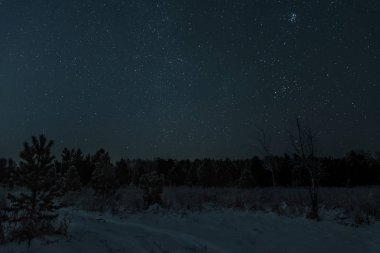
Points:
(32, 212)
(357, 168)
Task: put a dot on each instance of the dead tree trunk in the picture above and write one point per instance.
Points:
(304, 145)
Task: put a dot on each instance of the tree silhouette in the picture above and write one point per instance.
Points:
(305, 146)
(103, 176)
(72, 179)
(34, 211)
(123, 173)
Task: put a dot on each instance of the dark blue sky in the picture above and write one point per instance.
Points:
(187, 79)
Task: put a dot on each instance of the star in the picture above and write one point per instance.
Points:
(292, 17)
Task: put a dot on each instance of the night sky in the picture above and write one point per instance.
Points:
(187, 79)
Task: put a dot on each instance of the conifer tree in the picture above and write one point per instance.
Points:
(192, 175)
(177, 174)
(34, 210)
(123, 173)
(72, 179)
(206, 173)
(103, 176)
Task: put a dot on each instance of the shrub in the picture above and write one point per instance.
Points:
(152, 186)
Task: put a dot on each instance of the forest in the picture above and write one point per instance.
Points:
(39, 187)
(356, 168)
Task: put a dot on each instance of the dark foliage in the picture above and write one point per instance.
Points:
(32, 212)
(152, 186)
(6, 168)
(357, 168)
(123, 173)
(103, 178)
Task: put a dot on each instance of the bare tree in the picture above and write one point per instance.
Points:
(304, 144)
(265, 142)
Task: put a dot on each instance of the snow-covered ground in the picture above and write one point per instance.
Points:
(207, 231)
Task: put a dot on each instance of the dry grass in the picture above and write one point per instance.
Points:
(359, 205)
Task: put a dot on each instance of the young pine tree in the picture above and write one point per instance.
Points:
(34, 211)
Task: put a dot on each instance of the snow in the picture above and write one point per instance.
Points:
(208, 231)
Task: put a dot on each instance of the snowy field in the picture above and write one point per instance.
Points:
(352, 203)
(209, 231)
(216, 220)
